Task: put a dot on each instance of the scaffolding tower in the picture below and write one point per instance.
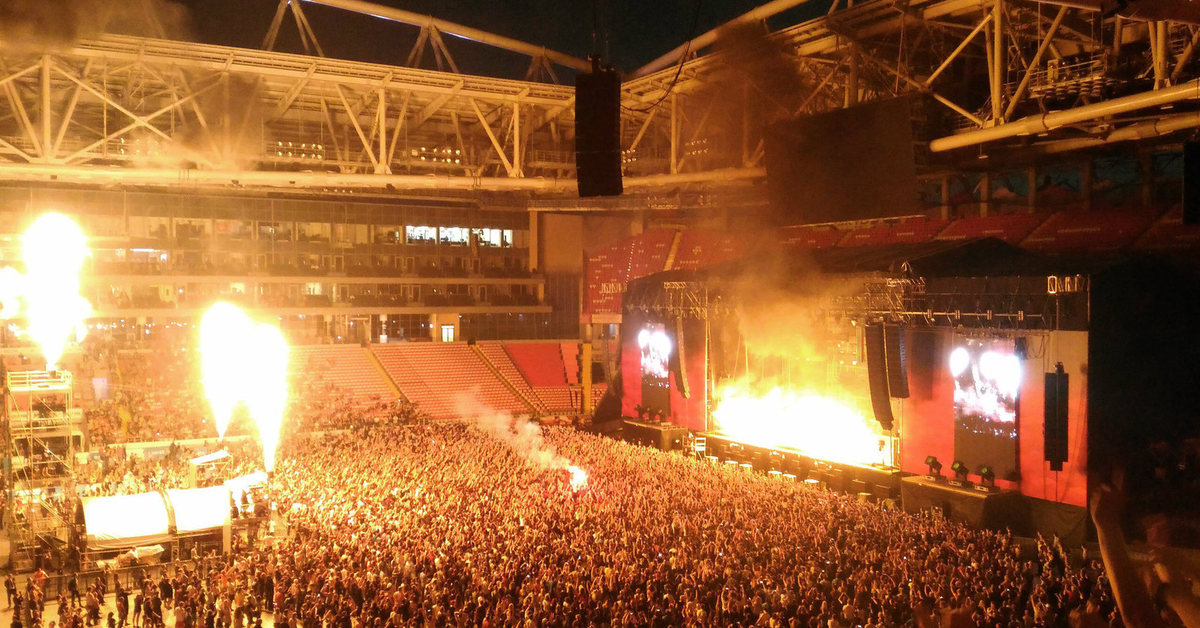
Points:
(43, 431)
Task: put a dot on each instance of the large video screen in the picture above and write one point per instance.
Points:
(987, 384)
(656, 347)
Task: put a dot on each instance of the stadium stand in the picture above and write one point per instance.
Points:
(701, 248)
(347, 365)
(1095, 231)
(1169, 234)
(1012, 228)
(570, 356)
(907, 232)
(495, 353)
(540, 363)
(610, 268)
(812, 237)
(436, 376)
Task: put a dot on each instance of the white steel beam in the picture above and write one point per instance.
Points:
(1049, 121)
(457, 30)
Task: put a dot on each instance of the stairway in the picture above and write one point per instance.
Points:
(670, 262)
(532, 403)
(384, 374)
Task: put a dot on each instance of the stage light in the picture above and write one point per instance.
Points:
(989, 365)
(935, 466)
(987, 475)
(960, 470)
(959, 360)
(1008, 377)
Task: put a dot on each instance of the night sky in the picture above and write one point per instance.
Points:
(638, 30)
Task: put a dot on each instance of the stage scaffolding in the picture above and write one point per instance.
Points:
(43, 432)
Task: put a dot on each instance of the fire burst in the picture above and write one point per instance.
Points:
(54, 249)
(579, 478)
(817, 426)
(242, 362)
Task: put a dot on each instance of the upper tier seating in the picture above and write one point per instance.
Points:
(1012, 228)
(907, 232)
(1097, 231)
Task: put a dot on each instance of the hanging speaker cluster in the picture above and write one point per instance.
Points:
(887, 369)
(598, 132)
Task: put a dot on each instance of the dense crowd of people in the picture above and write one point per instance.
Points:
(441, 524)
(153, 393)
(389, 520)
(446, 524)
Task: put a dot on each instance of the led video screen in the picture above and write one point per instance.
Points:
(987, 383)
(655, 347)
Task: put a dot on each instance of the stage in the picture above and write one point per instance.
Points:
(997, 510)
(662, 436)
(880, 481)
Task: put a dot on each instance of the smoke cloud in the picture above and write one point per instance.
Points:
(788, 319)
(55, 24)
(518, 432)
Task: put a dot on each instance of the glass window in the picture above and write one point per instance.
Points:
(499, 238)
(454, 236)
(420, 234)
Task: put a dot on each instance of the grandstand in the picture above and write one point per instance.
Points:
(416, 235)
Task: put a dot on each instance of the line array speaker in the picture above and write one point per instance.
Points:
(896, 357)
(877, 375)
(1055, 434)
(1191, 183)
(598, 132)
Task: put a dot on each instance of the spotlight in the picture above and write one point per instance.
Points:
(959, 360)
(935, 467)
(960, 473)
(987, 478)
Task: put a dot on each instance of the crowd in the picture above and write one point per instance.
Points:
(439, 524)
(114, 471)
(443, 524)
(154, 393)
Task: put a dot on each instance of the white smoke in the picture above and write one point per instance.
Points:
(522, 435)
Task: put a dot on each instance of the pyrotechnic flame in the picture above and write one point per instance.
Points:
(10, 292)
(225, 370)
(242, 362)
(579, 478)
(818, 426)
(268, 398)
(54, 249)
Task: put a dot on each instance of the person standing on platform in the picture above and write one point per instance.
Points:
(137, 608)
(10, 587)
(122, 606)
(73, 588)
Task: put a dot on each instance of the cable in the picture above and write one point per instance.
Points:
(678, 68)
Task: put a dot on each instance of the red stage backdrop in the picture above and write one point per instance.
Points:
(928, 421)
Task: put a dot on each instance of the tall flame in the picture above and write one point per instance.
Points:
(818, 426)
(268, 398)
(244, 362)
(10, 292)
(224, 336)
(54, 249)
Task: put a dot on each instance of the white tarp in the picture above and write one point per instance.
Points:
(207, 458)
(200, 509)
(239, 485)
(125, 520)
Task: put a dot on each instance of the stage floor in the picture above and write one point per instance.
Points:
(879, 480)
